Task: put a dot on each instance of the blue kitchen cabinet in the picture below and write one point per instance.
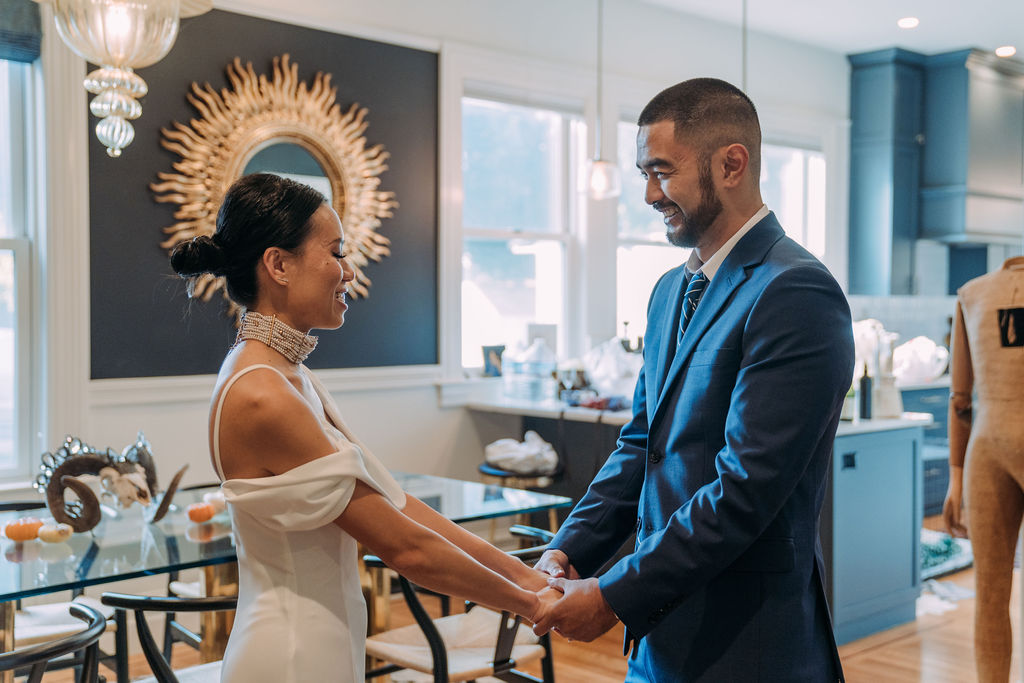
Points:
(935, 451)
(932, 400)
(886, 95)
(873, 513)
(937, 153)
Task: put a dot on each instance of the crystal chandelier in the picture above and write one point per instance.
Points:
(120, 36)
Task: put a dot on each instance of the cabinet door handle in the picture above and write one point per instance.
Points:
(849, 461)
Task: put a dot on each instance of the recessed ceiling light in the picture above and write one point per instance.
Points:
(1006, 51)
(908, 22)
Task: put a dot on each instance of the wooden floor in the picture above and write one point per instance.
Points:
(933, 649)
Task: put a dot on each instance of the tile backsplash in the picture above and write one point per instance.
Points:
(908, 316)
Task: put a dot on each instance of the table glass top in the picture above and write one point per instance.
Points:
(125, 546)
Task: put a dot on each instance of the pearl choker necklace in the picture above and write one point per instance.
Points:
(289, 342)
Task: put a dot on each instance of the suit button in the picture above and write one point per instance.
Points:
(655, 456)
(649, 528)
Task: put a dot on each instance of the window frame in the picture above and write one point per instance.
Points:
(569, 210)
(805, 160)
(469, 71)
(21, 248)
(569, 213)
(830, 137)
(21, 94)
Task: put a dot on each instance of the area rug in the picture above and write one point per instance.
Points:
(941, 554)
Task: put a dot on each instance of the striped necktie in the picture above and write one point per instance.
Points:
(694, 290)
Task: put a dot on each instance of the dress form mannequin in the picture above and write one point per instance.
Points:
(987, 433)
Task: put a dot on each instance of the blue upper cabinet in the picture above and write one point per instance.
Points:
(886, 101)
(972, 172)
(936, 152)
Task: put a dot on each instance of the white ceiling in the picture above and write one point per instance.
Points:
(849, 26)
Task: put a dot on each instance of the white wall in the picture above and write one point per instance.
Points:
(404, 426)
(799, 89)
(640, 41)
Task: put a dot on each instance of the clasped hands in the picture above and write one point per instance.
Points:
(572, 607)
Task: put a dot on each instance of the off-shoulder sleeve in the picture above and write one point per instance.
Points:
(313, 494)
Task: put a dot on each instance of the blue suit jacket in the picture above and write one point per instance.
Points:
(721, 473)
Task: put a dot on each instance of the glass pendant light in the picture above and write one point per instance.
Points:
(604, 179)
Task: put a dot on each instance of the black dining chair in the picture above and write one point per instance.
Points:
(35, 659)
(41, 623)
(161, 667)
(440, 647)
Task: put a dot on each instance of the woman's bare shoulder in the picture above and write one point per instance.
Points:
(264, 413)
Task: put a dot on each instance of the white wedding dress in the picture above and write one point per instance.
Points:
(301, 617)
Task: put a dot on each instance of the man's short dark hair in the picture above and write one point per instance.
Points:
(709, 113)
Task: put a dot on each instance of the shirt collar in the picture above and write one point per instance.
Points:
(710, 267)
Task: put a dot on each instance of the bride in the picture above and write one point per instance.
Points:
(302, 490)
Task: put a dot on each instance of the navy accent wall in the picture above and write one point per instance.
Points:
(143, 325)
(966, 262)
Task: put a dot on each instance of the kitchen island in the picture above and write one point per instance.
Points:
(870, 520)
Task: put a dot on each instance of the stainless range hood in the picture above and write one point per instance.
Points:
(972, 165)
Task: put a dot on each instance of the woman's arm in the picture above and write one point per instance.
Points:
(483, 552)
(429, 559)
(269, 427)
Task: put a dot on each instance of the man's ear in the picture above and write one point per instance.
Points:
(734, 164)
(275, 264)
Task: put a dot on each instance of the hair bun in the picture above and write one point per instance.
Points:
(197, 256)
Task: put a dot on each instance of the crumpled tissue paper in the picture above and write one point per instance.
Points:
(532, 455)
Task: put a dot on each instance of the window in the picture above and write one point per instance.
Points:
(792, 185)
(15, 265)
(643, 254)
(519, 169)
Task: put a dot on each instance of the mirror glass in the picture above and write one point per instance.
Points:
(293, 161)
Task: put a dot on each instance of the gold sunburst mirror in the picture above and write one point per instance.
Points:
(250, 127)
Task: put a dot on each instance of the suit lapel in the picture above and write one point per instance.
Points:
(716, 295)
(747, 253)
(670, 321)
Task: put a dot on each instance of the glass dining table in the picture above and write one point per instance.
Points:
(126, 546)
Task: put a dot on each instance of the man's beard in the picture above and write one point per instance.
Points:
(695, 225)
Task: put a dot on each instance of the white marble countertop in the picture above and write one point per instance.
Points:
(937, 383)
(884, 424)
(557, 409)
(552, 409)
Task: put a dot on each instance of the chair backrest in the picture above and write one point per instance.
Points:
(508, 626)
(22, 505)
(36, 657)
(140, 604)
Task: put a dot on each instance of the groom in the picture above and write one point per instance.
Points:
(721, 471)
